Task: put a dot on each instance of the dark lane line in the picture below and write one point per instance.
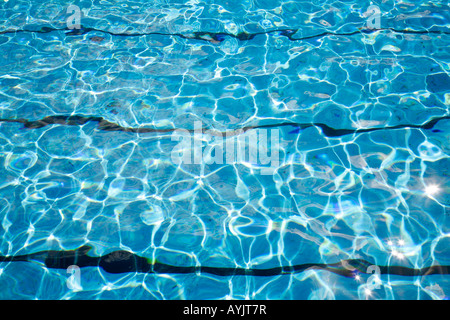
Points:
(121, 261)
(221, 36)
(105, 125)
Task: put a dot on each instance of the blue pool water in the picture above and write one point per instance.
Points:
(120, 171)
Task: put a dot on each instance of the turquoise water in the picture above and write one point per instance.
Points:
(105, 149)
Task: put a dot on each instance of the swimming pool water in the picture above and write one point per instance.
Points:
(120, 171)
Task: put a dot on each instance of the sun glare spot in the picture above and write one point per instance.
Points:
(431, 190)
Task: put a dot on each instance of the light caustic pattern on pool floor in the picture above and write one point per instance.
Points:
(381, 195)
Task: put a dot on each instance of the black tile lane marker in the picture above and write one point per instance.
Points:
(121, 261)
(105, 125)
(220, 36)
